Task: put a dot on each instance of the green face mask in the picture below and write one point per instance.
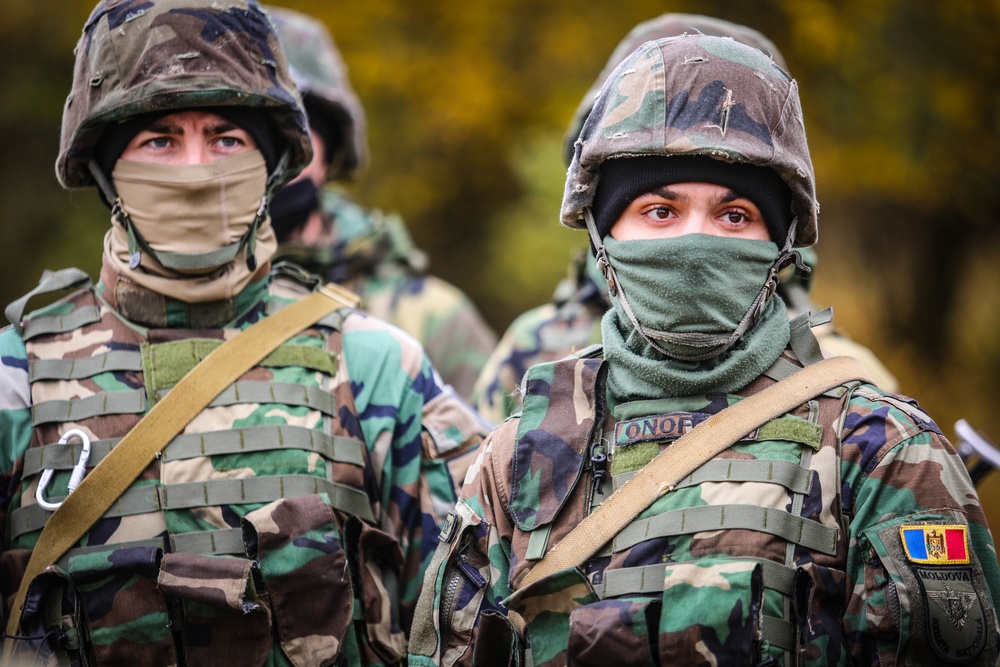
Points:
(691, 295)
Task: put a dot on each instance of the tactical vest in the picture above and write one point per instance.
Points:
(253, 538)
(745, 557)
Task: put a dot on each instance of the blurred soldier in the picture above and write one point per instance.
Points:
(290, 520)
(572, 321)
(705, 488)
(365, 250)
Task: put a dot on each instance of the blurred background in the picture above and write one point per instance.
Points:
(467, 104)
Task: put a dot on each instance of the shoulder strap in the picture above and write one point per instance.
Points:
(116, 472)
(687, 454)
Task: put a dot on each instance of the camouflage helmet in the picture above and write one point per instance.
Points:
(697, 95)
(321, 76)
(142, 56)
(665, 25)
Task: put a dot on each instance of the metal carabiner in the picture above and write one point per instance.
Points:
(79, 470)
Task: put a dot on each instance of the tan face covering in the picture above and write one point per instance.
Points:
(196, 221)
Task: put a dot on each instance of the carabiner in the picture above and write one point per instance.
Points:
(79, 470)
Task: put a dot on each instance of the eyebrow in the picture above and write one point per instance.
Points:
(726, 197)
(163, 127)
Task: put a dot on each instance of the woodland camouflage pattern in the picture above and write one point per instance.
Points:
(348, 418)
(137, 56)
(678, 584)
(321, 76)
(373, 255)
(746, 113)
(665, 25)
(791, 547)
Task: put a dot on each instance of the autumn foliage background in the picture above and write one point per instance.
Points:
(467, 105)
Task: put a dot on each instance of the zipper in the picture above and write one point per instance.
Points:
(451, 584)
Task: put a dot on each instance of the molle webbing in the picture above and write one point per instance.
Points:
(235, 441)
(52, 281)
(76, 410)
(78, 369)
(134, 402)
(146, 498)
(54, 324)
(805, 532)
(795, 478)
(648, 579)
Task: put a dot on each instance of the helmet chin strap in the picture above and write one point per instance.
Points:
(712, 344)
(188, 262)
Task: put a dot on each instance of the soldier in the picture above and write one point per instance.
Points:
(705, 488)
(364, 249)
(572, 321)
(290, 520)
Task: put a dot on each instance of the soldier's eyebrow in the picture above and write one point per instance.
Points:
(665, 192)
(163, 127)
(728, 196)
(221, 127)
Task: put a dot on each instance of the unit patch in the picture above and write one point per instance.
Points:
(935, 544)
(956, 622)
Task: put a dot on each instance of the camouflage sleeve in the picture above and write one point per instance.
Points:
(922, 571)
(467, 580)
(15, 412)
(451, 329)
(420, 436)
(497, 395)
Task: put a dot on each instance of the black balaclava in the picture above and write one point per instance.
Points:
(623, 180)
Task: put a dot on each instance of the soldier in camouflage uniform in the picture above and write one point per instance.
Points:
(845, 531)
(572, 321)
(291, 520)
(365, 250)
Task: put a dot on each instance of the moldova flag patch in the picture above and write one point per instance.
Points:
(936, 544)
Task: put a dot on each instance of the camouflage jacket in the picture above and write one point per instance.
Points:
(373, 255)
(289, 523)
(844, 532)
(572, 321)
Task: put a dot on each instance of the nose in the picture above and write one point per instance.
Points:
(195, 152)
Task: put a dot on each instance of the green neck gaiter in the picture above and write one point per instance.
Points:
(697, 283)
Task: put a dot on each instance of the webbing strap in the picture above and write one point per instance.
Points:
(78, 369)
(805, 532)
(99, 489)
(217, 492)
(209, 542)
(249, 391)
(648, 579)
(538, 542)
(687, 454)
(793, 477)
(779, 632)
(52, 281)
(215, 443)
(107, 403)
(52, 324)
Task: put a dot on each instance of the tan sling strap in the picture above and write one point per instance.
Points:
(116, 472)
(687, 454)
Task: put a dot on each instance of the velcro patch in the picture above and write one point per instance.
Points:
(658, 427)
(936, 544)
(955, 618)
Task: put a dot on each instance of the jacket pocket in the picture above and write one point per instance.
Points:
(224, 619)
(126, 616)
(613, 632)
(298, 546)
(379, 560)
(712, 612)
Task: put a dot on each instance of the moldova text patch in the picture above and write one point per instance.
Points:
(936, 544)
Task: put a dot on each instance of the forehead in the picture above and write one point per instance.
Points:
(191, 121)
